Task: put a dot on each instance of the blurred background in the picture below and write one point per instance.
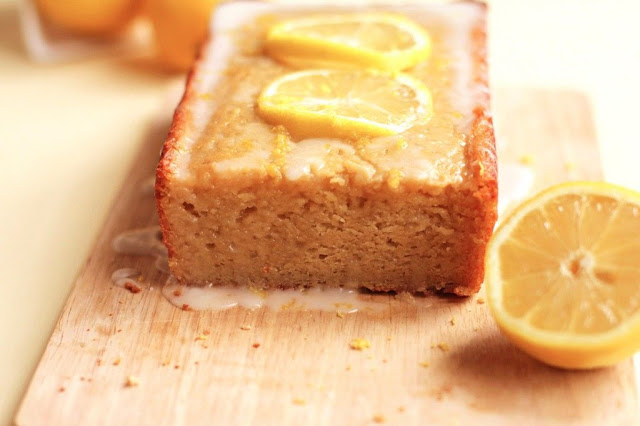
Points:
(83, 81)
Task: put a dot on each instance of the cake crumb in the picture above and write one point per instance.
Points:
(359, 344)
(401, 409)
(201, 337)
(480, 301)
(424, 364)
(288, 305)
(245, 327)
(186, 307)
(405, 297)
(452, 321)
(340, 314)
(132, 381)
(379, 418)
(177, 292)
(526, 159)
(299, 401)
(256, 345)
(206, 332)
(117, 361)
(62, 389)
(176, 367)
(98, 362)
(348, 368)
(443, 346)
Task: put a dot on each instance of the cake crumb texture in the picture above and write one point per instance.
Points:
(242, 203)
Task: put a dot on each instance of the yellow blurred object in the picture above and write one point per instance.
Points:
(89, 17)
(180, 28)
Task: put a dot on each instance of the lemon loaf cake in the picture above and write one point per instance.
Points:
(333, 146)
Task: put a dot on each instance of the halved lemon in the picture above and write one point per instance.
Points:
(384, 41)
(563, 275)
(348, 104)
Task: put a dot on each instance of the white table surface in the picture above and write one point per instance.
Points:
(68, 134)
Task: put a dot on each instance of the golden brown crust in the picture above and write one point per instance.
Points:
(481, 161)
(169, 153)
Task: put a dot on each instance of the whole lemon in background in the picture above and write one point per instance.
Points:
(89, 17)
(180, 28)
(562, 275)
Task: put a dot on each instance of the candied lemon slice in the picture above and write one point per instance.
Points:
(563, 275)
(348, 104)
(363, 40)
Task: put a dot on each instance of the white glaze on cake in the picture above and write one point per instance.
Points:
(433, 160)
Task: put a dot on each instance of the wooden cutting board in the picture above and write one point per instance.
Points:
(303, 371)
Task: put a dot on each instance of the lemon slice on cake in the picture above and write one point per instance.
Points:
(345, 104)
(563, 275)
(383, 41)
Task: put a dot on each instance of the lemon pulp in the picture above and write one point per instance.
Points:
(563, 275)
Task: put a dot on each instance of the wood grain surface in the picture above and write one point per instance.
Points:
(303, 371)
